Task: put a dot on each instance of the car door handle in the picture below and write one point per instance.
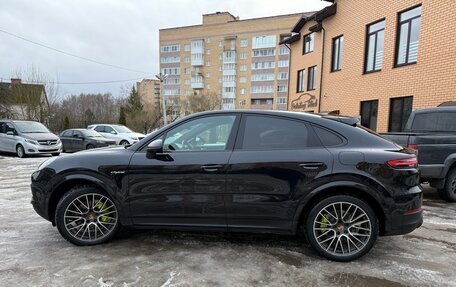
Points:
(312, 165)
(211, 167)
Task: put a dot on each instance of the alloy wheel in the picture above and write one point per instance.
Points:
(342, 228)
(20, 151)
(90, 217)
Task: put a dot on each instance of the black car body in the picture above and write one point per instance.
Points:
(431, 133)
(82, 139)
(254, 171)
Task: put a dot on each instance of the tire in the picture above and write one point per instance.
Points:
(20, 151)
(55, 154)
(328, 221)
(448, 192)
(124, 142)
(90, 146)
(87, 216)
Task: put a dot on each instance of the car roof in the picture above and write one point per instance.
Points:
(437, 109)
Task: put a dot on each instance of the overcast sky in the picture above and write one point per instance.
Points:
(121, 33)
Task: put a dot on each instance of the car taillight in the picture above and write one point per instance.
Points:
(414, 148)
(403, 163)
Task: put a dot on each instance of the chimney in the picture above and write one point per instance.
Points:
(16, 81)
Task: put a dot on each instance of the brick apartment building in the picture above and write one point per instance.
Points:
(378, 59)
(240, 60)
(149, 92)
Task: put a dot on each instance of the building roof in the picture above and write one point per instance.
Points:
(317, 16)
(19, 93)
(303, 14)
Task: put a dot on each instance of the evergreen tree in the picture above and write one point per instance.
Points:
(66, 123)
(122, 117)
(134, 104)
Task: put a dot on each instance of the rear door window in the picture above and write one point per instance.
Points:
(100, 129)
(67, 133)
(266, 133)
(443, 121)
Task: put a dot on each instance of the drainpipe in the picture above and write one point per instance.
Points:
(288, 80)
(321, 69)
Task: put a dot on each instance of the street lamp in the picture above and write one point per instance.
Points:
(161, 77)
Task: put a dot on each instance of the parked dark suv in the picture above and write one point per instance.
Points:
(254, 171)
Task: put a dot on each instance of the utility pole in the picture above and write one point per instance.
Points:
(162, 78)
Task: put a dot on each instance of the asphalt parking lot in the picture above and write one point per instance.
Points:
(32, 252)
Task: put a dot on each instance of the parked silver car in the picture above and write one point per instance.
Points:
(120, 133)
(27, 138)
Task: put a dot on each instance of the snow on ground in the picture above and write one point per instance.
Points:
(32, 252)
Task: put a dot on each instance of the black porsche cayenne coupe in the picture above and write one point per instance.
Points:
(242, 171)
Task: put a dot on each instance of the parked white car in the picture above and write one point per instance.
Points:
(27, 138)
(120, 133)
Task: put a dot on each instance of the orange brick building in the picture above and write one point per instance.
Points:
(377, 59)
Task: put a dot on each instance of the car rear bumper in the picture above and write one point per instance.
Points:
(407, 214)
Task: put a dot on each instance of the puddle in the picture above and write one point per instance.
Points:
(355, 280)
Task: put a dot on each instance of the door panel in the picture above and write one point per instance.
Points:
(184, 185)
(274, 162)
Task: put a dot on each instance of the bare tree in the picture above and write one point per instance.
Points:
(199, 103)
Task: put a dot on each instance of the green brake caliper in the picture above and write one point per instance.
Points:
(103, 218)
(325, 221)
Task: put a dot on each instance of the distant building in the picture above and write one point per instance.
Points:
(149, 92)
(239, 60)
(377, 59)
(23, 101)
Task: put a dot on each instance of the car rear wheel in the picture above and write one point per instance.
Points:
(86, 216)
(90, 146)
(123, 142)
(448, 192)
(20, 151)
(342, 228)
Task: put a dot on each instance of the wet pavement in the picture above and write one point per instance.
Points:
(32, 252)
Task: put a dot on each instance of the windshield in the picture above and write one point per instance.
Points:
(122, 129)
(91, 134)
(31, 127)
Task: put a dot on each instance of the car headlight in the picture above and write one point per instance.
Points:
(32, 141)
(59, 141)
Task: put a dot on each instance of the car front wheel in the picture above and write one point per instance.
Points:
(342, 228)
(86, 216)
(20, 151)
(124, 142)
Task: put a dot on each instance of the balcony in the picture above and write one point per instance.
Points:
(197, 82)
(229, 84)
(197, 60)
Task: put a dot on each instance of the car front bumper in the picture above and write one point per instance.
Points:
(42, 149)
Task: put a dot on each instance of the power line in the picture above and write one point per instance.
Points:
(73, 55)
(78, 83)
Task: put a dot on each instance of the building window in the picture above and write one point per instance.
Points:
(243, 68)
(187, 47)
(187, 82)
(208, 52)
(408, 33)
(282, 88)
(208, 40)
(220, 44)
(308, 43)
(208, 63)
(369, 114)
(242, 102)
(220, 68)
(374, 47)
(336, 60)
(284, 50)
(208, 86)
(263, 65)
(312, 78)
(244, 42)
(268, 41)
(208, 75)
(400, 109)
(243, 56)
(220, 57)
(170, 48)
(220, 80)
(187, 59)
(242, 80)
(282, 76)
(186, 71)
(263, 52)
(300, 86)
(284, 63)
(242, 91)
(262, 77)
(281, 100)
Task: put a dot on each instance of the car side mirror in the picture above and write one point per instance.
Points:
(113, 132)
(10, 133)
(154, 148)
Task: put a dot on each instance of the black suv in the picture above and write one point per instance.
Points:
(256, 171)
